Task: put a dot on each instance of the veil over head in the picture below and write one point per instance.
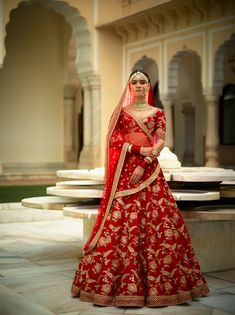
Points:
(126, 99)
(112, 158)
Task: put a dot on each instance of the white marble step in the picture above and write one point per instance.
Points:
(203, 176)
(80, 184)
(82, 212)
(83, 174)
(75, 193)
(195, 195)
(47, 202)
(185, 195)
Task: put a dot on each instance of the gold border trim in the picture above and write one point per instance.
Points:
(150, 301)
(141, 186)
(139, 122)
(112, 194)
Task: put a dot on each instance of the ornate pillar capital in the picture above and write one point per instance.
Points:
(211, 93)
(94, 81)
(85, 83)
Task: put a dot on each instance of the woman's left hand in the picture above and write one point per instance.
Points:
(136, 175)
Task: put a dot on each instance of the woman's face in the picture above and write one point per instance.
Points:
(139, 86)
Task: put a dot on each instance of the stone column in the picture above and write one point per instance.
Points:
(95, 101)
(167, 102)
(212, 138)
(189, 134)
(70, 157)
(90, 155)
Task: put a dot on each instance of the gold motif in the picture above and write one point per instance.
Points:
(143, 185)
(132, 287)
(113, 190)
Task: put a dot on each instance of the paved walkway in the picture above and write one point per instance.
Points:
(37, 263)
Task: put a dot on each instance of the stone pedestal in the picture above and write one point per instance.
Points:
(212, 139)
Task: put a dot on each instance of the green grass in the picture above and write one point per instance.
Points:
(17, 193)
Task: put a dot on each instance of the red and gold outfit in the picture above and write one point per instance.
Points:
(139, 252)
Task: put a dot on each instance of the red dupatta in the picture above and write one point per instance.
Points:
(113, 165)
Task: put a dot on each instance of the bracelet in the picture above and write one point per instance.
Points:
(129, 148)
(135, 148)
(144, 164)
(148, 159)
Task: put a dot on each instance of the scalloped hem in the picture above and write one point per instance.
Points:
(131, 300)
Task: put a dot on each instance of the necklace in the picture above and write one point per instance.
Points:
(139, 106)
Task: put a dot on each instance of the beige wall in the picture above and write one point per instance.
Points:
(31, 87)
(110, 64)
(112, 10)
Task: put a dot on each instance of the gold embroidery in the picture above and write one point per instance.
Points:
(141, 186)
(139, 123)
(132, 300)
(112, 194)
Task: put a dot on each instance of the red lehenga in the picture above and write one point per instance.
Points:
(139, 252)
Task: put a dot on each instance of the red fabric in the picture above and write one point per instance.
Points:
(144, 253)
(144, 164)
(114, 143)
(135, 149)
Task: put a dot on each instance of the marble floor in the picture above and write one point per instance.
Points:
(37, 263)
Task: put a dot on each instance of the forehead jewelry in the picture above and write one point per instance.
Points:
(139, 75)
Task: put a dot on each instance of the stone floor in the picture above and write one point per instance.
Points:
(37, 262)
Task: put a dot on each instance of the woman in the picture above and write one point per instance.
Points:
(139, 251)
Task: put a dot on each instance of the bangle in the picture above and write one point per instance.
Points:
(148, 159)
(135, 149)
(144, 164)
(129, 148)
(154, 151)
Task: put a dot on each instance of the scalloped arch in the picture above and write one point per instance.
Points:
(218, 77)
(174, 67)
(80, 31)
(148, 65)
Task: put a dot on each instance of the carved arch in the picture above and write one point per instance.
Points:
(220, 55)
(79, 26)
(174, 67)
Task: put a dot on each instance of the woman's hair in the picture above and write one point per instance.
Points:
(137, 70)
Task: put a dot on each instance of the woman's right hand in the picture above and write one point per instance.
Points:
(146, 151)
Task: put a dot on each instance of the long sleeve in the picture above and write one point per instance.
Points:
(161, 126)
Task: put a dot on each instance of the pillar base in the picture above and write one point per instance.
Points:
(89, 157)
